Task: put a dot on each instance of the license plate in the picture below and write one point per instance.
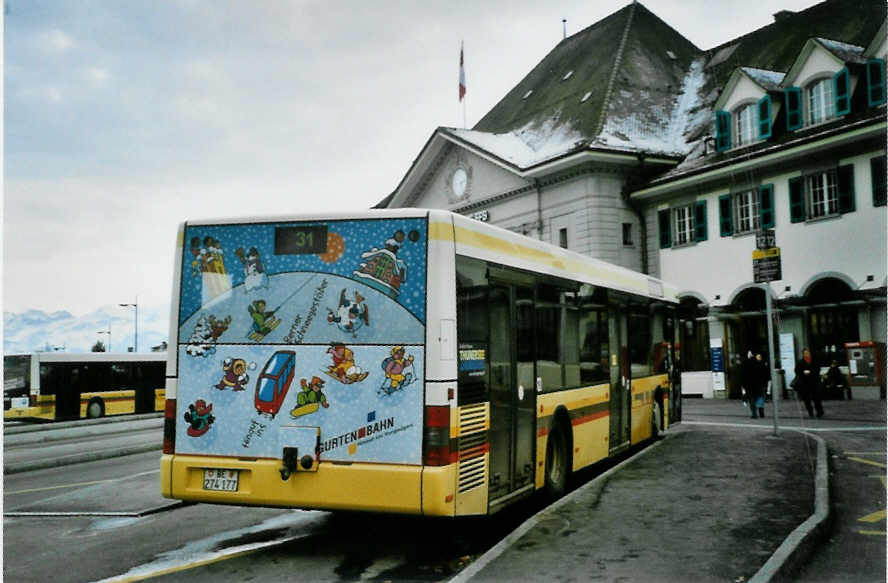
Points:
(220, 480)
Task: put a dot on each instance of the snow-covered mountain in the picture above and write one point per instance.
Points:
(37, 330)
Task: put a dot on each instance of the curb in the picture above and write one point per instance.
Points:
(800, 543)
(77, 458)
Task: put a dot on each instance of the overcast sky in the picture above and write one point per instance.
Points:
(123, 118)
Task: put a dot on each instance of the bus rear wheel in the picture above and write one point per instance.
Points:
(557, 461)
(95, 408)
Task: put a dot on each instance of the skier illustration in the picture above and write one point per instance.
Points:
(399, 371)
(199, 418)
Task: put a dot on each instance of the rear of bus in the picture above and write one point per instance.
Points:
(298, 376)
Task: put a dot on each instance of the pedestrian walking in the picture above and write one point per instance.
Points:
(755, 380)
(808, 383)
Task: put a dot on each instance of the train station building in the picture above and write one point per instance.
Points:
(630, 144)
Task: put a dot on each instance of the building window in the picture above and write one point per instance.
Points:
(879, 175)
(682, 225)
(683, 221)
(822, 194)
(562, 237)
(627, 234)
(821, 104)
(746, 211)
(746, 124)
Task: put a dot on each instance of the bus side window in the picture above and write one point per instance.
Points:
(594, 335)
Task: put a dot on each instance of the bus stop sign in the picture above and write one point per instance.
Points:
(766, 265)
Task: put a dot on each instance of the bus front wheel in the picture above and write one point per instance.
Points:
(95, 408)
(557, 461)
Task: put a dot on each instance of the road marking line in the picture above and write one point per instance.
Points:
(224, 556)
(29, 490)
(873, 532)
(868, 462)
(874, 517)
(879, 453)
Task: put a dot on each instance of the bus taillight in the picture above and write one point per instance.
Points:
(436, 437)
(169, 425)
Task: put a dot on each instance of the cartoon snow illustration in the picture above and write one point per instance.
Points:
(344, 368)
(235, 376)
(399, 371)
(254, 271)
(351, 314)
(382, 269)
(263, 322)
(310, 398)
(199, 417)
(205, 335)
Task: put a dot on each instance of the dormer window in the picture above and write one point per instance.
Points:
(821, 104)
(746, 124)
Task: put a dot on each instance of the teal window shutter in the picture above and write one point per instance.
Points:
(845, 178)
(764, 111)
(793, 96)
(796, 200)
(879, 174)
(766, 206)
(725, 215)
(722, 130)
(700, 220)
(875, 82)
(664, 217)
(841, 92)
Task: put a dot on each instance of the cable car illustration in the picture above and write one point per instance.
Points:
(274, 382)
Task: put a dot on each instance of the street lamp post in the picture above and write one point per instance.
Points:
(108, 332)
(136, 326)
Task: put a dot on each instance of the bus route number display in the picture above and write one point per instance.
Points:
(300, 240)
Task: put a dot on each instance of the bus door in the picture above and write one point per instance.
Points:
(512, 388)
(620, 375)
(67, 381)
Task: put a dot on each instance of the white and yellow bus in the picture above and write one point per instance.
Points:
(67, 385)
(406, 361)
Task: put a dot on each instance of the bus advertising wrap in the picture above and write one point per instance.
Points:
(285, 325)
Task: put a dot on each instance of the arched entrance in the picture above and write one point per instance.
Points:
(831, 319)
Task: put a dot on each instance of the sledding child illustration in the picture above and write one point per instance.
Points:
(399, 371)
(199, 417)
(263, 322)
(344, 368)
(351, 314)
(310, 397)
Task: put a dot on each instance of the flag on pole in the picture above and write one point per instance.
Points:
(462, 74)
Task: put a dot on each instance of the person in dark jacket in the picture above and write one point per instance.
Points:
(808, 374)
(755, 381)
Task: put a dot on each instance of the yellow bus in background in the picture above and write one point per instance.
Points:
(65, 385)
(412, 361)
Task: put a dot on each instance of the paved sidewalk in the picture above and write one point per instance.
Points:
(703, 504)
